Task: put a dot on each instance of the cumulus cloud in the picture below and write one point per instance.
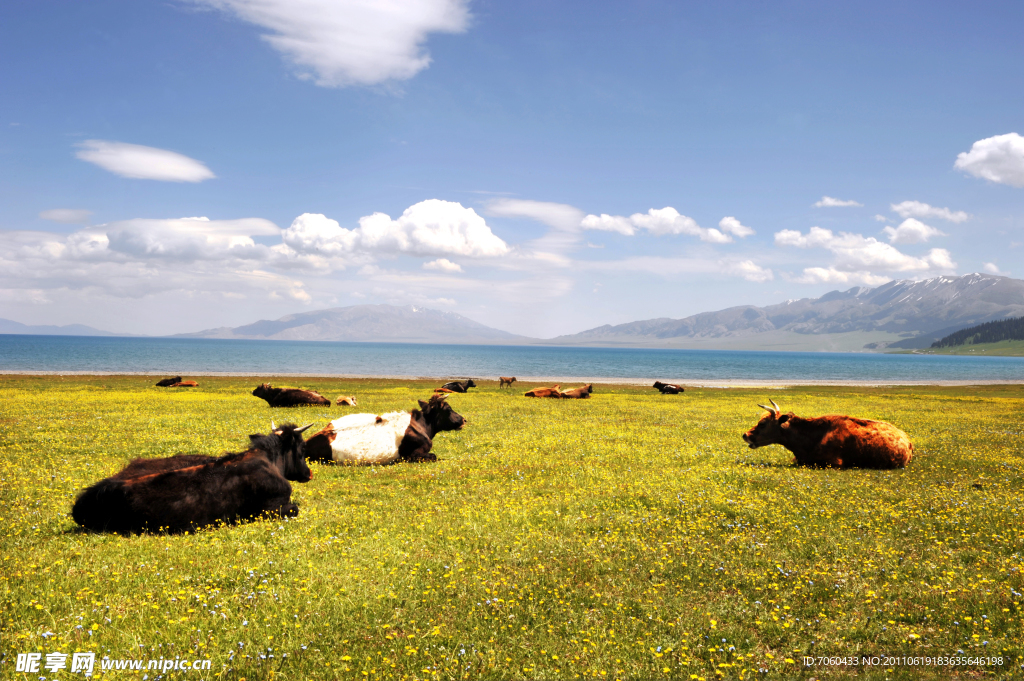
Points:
(917, 209)
(144, 163)
(856, 253)
(911, 231)
(428, 228)
(69, 216)
(749, 270)
(997, 159)
(196, 238)
(881, 218)
(731, 225)
(829, 202)
(992, 268)
(830, 275)
(442, 265)
(658, 221)
(351, 42)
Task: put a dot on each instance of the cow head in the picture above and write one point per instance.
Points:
(659, 385)
(769, 429)
(470, 384)
(439, 415)
(262, 390)
(286, 449)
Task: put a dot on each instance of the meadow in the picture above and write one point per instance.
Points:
(628, 536)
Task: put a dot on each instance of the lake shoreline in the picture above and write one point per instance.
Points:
(566, 380)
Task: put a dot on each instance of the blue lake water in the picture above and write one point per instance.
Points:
(201, 356)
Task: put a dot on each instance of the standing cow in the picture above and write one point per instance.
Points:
(506, 380)
(832, 440)
(385, 438)
(290, 397)
(225, 489)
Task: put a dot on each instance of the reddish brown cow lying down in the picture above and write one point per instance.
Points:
(579, 393)
(832, 440)
(544, 392)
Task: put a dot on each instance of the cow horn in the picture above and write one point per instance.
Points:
(777, 410)
(272, 425)
(299, 430)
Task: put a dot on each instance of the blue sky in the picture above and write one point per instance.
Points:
(539, 167)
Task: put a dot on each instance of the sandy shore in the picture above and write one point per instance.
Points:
(534, 381)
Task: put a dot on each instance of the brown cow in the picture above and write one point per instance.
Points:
(832, 440)
(579, 393)
(167, 382)
(669, 388)
(346, 401)
(289, 397)
(183, 384)
(506, 380)
(545, 392)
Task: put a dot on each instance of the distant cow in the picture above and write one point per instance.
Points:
(168, 382)
(345, 401)
(456, 386)
(544, 392)
(289, 397)
(832, 440)
(506, 380)
(223, 489)
(669, 388)
(386, 438)
(579, 393)
(183, 384)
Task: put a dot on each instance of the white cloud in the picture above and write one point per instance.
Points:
(856, 253)
(144, 163)
(750, 271)
(561, 216)
(658, 221)
(731, 225)
(431, 227)
(881, 218)
(829, 202)
(911, 231)
(992, 268)
(998, 159)
(609, 223)
(830, 275)
(190, 238)
(442, 265)
(917, 209)
(351, 42)
(70, 216)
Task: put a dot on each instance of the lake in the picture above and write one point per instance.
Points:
(172, 356)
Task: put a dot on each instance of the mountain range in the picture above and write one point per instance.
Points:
(899, 314)
(17, 328)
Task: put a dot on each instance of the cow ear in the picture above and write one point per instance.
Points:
(423, 405)
(783, 419)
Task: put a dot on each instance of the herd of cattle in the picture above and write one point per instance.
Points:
(185, 492)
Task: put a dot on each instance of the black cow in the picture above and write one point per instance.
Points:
(215, 490)
(343, 443)
(290, 397)
(456, 386)
(669, 388)
(167, 382)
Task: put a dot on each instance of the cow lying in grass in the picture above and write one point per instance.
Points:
(578, 393)
(183, 493)
(456, 386)
(669, 388)
(832, 440)
(167, 382)
(544, 392)
(345, 401)
(387, 438)
(183, 384)
(289, 397)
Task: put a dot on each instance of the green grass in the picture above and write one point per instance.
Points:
(1011, 348)
(631, 536)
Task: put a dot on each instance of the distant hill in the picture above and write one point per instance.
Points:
(9, 326)
(379, 323)
(990, 332)
(899, 314)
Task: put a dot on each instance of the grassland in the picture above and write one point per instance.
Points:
(1011, 348)
(628, 536)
